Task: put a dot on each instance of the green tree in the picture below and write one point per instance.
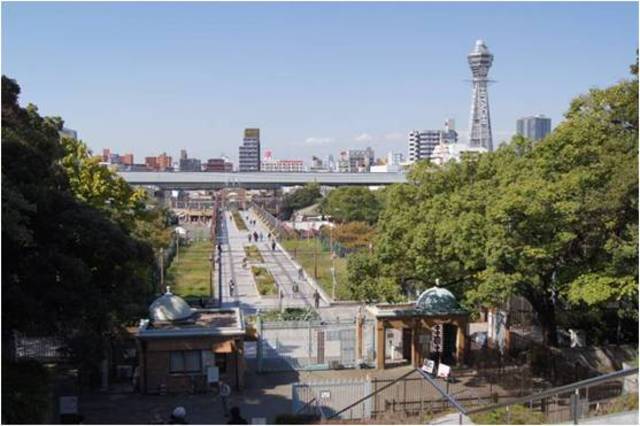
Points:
(553, 221)
(351, 204)
(303, 197)
(71, 266)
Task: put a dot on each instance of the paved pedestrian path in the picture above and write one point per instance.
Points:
(296, 290)
(299, 291)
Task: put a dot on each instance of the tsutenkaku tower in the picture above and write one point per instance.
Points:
(480, 60)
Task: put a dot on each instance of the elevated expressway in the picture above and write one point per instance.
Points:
(256, 180)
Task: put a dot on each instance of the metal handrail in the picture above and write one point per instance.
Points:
(560, 389)
(305, 406)
(433, 383)
(371, 394)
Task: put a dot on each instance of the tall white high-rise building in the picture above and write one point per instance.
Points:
(480, 61)
(423, 142)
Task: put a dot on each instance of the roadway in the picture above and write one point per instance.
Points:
(256, 180)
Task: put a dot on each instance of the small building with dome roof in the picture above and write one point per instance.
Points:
(434, 327)
(180, 348)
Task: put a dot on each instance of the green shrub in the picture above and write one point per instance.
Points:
(519, 415)
(264, 281)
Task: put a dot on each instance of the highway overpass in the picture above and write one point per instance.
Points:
(256, 180)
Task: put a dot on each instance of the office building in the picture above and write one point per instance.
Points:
(161, 163)
(356, 160)
(187, 164)
(249, 152)
(534, 127)
(221, 165)
(423, 142)
(127, 159)
(480, 61)
(269, 164)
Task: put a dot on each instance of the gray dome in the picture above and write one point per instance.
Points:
(437, 299)
(169, 307)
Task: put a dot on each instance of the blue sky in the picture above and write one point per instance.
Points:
(315, 77)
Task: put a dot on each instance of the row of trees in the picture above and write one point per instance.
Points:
(555, 221)
(78, 242)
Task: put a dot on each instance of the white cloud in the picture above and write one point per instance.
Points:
(315, 140)
(395, 136)
(363, 137)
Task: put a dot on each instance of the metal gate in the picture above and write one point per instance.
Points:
(299, 345)
(332, 397)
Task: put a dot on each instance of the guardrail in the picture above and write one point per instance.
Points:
(573, 390)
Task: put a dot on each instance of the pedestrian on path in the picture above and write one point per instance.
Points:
(255, 236)
(273, 245)
(232, 286)
(300, 273)
(249, 237)
(316, 298)
(225, 392)
(261, 236)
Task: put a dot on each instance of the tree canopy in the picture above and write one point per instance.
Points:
(76, 260)
(303, 197)
(352, 204)
(554, 221)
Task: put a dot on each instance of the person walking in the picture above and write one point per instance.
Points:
(300, 273)
(232, 286)
(316, 298)
(273, 245)
(261, 236)
(249, 237)
(236, 418)
(225, 392)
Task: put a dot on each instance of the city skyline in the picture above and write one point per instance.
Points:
(220, 68)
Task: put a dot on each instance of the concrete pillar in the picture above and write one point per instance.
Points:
(380, 345)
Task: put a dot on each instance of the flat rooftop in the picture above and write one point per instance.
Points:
(203, 322)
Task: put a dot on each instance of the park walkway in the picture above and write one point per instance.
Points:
(282, 268)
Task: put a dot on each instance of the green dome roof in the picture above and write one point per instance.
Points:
(437, 299)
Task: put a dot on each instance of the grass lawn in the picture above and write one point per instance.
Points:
(239, 221)
(264, 281)
(303, 251)
(253, 253)
(188, 275)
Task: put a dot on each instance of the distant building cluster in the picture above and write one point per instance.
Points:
(438, 146)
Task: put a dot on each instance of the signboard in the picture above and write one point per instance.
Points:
(444, 371)
(428, 366)
(68, 405)
(213, 375)
(325, 395)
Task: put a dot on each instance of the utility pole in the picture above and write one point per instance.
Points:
(219, 275)
(161, 268)
(315, 257)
